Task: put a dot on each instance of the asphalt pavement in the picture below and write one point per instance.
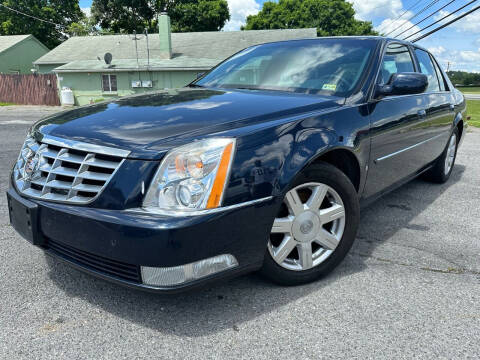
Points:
(410, 288)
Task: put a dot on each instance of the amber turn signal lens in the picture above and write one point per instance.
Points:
(220, 180)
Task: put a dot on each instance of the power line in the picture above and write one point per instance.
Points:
(426, 17)
(446, 24)
(440, 20)
(409, 8)
(414, 16)
(31, 16)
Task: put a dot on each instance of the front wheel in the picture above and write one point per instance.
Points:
(314, 228)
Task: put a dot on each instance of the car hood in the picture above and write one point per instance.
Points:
(147, 125)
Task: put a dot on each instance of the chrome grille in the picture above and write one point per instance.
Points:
(61, 170)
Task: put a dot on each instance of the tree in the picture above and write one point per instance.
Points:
(203, 15)
(61, 12)
(126, 16)
(82, 28)
(330, 17)
(464, 78)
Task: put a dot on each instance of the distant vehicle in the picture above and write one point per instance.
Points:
(260, 164)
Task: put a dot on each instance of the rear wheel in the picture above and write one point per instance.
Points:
(443, 167)
(314, 228)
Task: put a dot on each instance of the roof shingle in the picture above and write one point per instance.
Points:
(9, 40)
(211, 45)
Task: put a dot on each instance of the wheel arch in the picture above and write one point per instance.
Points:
(460, 124)
(344, 160)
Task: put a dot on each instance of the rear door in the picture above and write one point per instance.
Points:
(397, 126)
(439, 107)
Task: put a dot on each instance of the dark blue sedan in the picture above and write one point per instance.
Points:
(260, 164)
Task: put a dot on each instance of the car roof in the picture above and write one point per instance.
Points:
(352, 37)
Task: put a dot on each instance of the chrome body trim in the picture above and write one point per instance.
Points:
(407, 148)
(77, 145)
(183, 213)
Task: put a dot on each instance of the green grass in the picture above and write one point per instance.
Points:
(473, 110)
(469, 89)
(6, 104)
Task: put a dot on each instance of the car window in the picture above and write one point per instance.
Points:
(443, 85)
(397, 59)
(324, 66)
(427, 68)
(250, 71)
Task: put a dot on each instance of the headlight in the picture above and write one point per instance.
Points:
(192, 177)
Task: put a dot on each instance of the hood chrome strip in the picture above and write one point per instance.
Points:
(78, 145)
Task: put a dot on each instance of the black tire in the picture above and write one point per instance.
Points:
(438, 173)
(329, 175)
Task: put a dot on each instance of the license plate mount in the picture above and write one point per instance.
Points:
(24, 218)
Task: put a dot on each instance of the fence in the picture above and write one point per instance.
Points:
(34, 89)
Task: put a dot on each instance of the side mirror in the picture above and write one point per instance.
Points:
(403, 84)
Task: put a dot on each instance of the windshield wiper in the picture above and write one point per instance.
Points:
(257, 88)
(244, 88)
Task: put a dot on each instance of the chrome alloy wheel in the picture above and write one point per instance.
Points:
(308, 228)
(451, 150)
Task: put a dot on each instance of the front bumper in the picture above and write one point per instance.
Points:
(115, 244)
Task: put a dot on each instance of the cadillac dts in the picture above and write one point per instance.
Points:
(260, 164)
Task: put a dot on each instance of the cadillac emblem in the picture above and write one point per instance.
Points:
(32, 163)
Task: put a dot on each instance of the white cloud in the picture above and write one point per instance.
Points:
(470, 23)
(397, 27)
(470, 56)
(87, 11)
(437, 50)
(368, 9)
(239, 10)
(465, 60)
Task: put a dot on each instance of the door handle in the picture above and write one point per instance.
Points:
(422, 113)
(452, 107)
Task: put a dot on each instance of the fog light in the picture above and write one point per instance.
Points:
(169, 276)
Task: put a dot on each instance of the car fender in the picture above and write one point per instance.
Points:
(310, 144)
(268, 159)
(317, 137)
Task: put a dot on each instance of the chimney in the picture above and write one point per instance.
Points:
(165, 36)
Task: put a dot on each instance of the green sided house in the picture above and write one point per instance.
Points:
(143, 63)
(18, 52)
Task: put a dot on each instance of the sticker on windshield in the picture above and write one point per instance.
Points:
(329, 87)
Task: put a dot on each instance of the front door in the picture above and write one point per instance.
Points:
(397, 127)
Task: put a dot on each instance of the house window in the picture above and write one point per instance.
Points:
(109, 83)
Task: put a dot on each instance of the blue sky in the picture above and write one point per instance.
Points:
(458, 44)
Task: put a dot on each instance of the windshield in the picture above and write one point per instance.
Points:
(317, 66)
